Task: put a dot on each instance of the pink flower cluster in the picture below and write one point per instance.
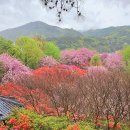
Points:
(77, 57)
(97, 70)
(113, 61)
(48, 61)
(71, 67)
(104, 56)
(13, 68)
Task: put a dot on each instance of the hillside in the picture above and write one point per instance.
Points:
(104, 40)
(116, 31)
(107, 39)
(38, 28)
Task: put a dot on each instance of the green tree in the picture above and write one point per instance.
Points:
(95, 60)
(28, 51)
(5, 45)
(40, 42)
(51, 49)
(2, 71)
(16, 52)
(126, 56)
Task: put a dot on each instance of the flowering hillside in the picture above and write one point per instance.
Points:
(72, 90)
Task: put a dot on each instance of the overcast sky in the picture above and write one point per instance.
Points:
(97, 14)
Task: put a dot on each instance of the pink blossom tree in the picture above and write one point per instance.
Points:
(97, 70)
(13, 68)
(79, 57)
(48, 61)
(113, 61)
(104, 56)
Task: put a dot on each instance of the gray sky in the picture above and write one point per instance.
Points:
(97, 14)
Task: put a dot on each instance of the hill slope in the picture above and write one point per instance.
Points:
(116, 31)
(107, 39)
(38, 28)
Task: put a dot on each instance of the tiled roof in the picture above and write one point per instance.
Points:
(7, 104)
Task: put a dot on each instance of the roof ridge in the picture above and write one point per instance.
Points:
(14, 101)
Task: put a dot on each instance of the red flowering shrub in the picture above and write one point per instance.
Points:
(73, 68)
(73, 127)
(12, 121)
(20, 122)
(110, 117)
(51, 76)
(31, 98)
(57, 82)
(35, 91)
(3, 127)
(58, 70)
(111, 125)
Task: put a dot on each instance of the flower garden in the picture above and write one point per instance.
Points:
(65, 89)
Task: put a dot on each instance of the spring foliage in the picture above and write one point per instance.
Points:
(78, 84)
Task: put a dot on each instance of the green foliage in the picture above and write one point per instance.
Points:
(126, 56)
(103, 40)
(28, 51)
(51, 49)
(48, 48)
(42, 121)
(125, 127)
(126, 53)
(95, 60)
(5, 45)
(50, 122)
(40, 42)
(100, 44)
(86, 125)
(16, 52)
(2, 71)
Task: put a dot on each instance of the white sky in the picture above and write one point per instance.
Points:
(97, 14)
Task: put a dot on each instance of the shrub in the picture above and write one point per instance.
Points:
(31, 120)
(26, 119)
(95, 60)
(31, 98)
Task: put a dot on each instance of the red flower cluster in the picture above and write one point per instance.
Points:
(73, 127)
(57, 74)
(111, 125)
(22, 122)
(3, 127)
